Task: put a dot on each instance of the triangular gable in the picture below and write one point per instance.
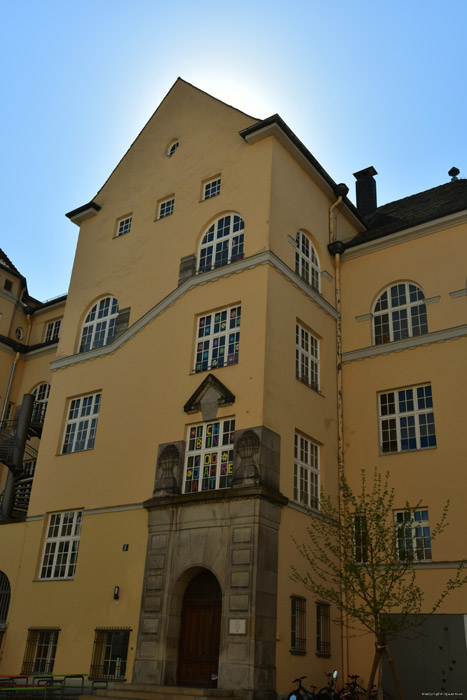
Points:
(208, 397)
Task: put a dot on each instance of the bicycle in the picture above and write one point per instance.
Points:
(329, 692)
(300, 691)
(352, 690)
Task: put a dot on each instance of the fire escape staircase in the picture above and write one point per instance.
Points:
(19, 457)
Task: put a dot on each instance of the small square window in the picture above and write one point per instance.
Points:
(8, 285)
(212, 188)
(124, 226)
(52, 332)
(166, 208)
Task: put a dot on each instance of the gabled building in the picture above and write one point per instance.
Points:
(234, 328)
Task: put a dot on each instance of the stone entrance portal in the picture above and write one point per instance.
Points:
(198, 657)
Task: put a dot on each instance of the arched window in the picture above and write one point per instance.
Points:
(41, 397)
(399, 312)
(99, 324)
(222, 243)
(306, 261)
(5, 592)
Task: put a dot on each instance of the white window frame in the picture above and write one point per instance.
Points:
(208, 451)
(99, 324)
(41, 396)
(52, 331)
(104, 665)
(406, 429)
(306, 261)
(394, 319)
(222, 243)
(172, 147)
(124, 225)
(307, 357)
(306, 471)
(41, 647)
(212, 188)
(166, 208)
(61, 546)
(217, 339)
(81, 423)
(413, 529)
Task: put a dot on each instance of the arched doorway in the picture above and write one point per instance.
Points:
(198, 652)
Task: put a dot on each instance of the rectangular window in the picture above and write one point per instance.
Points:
(323, 629)
(109, 654)
(212, 188)
(124, 226)
(218, 339)
(306, 357)
(166, 208)
(306, 472)
(61, 545)
(360, 539)
(407, 420)
(209, 457)
(9, 411)
(298, 625)
(52, 332)
(413, 535)
(41, 646)
(8, 285)
(81, 424)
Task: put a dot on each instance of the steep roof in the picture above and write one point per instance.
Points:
(6, 262)
(414, 210)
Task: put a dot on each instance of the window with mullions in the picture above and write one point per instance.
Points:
(61, 545)
(99, 325)
(124, 226)
(109, 655)
(306, 472)
(41, 646)
(360, 539)
(306, 261)
(298, 625)
(407, 421)
(399, 312)
(212, 189)
(323, 629)
(209, 457)
(166, 208)
(218, 339)
(41, 398)
(222, 243)
(413, 535)
(81, 424)
(52, 331)
(306, 357)
(5, 593)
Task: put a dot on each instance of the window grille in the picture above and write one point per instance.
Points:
(298, 625)
(323, 628)
(41, 646)
(109, 654)
(5, 593)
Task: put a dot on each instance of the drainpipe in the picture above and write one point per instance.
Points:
(337, 248)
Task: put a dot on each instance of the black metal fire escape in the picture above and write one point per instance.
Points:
(19, 457)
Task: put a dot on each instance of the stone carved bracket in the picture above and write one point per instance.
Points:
(256, 458)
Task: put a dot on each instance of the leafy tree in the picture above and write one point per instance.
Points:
(358, 558)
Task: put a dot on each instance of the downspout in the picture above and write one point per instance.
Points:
(336, 248)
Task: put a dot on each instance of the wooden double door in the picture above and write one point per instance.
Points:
(198, 656)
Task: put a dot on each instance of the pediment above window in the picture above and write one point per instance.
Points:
(208, 397)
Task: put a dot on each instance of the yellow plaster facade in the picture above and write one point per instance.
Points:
(127, 475)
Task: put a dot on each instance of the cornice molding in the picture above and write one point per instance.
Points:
(407, 234)
(407, 344)
(264, 258)
(458, 293)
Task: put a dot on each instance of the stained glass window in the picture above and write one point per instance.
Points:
(209, 460)
(218, 339)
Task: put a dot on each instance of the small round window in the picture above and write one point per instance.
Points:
(19, 333)
(173, 145)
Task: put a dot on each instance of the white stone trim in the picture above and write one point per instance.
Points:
(431, 300)
(326, 275)
(266, 257)
(406, 344)
(93, 511)
(408, 234)
(458, 293)
(364, 317)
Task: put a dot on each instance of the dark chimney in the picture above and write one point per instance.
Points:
(366, 191)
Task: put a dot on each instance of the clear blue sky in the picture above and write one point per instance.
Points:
(361, 83)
